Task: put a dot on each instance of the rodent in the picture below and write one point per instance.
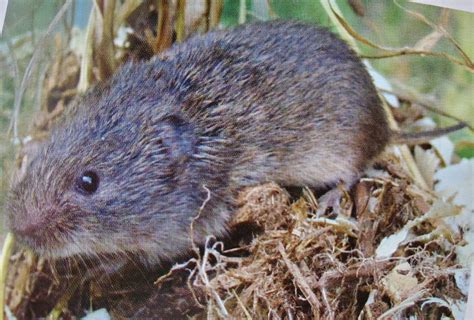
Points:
(137, 158)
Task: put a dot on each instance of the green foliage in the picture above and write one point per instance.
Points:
(387, 24)
(465, 151)
(29, 16)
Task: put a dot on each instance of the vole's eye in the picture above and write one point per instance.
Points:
(88, 182)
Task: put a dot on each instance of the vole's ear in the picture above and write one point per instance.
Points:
(178, 137)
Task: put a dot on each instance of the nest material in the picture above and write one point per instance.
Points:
(304, 265)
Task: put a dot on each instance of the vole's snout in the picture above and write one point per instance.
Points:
(31, 228)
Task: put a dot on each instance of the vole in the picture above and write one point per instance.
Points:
(174, 139)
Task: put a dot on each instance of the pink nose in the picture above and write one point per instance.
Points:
(29, 227)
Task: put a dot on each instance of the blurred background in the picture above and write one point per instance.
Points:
(387, 23)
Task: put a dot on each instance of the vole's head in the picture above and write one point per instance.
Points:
(112, 178)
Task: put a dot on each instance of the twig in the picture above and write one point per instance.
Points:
(16, 68)
(363, 270)
(39, 88)
(271, 12)
(125, 10)
(163, 27)
(105, 54)
(87, 55)
(326, 303)
(408, 302)
(204, 259)
(241, 304)
(193, 221)
(205, 279)
(242, 11)
(440, 29)
(301, 282)
(333, 12)
(63, 301)
(423, 101)
(179, 23)
(390, 52)
(215, 11)
(4, 259)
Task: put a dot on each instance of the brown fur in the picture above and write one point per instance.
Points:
(276, 101)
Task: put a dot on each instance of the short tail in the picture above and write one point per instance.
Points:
(412, 138)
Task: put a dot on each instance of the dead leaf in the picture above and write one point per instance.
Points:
(427, 162)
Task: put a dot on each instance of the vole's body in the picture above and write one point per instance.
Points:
(279, 101)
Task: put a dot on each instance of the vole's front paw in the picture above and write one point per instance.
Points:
(329, 203)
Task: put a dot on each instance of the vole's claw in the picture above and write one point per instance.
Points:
(329, 203)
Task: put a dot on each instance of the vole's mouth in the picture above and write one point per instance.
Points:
(56, 243)
(54, 250)
(52, 246)
(41, 246)
(47, 241)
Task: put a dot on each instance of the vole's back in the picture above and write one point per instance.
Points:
(296, 104)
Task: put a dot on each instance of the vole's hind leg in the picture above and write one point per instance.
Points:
(331, 200)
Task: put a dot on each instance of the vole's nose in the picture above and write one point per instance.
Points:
(29, 227)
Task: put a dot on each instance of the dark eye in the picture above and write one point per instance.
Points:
(88, 182)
